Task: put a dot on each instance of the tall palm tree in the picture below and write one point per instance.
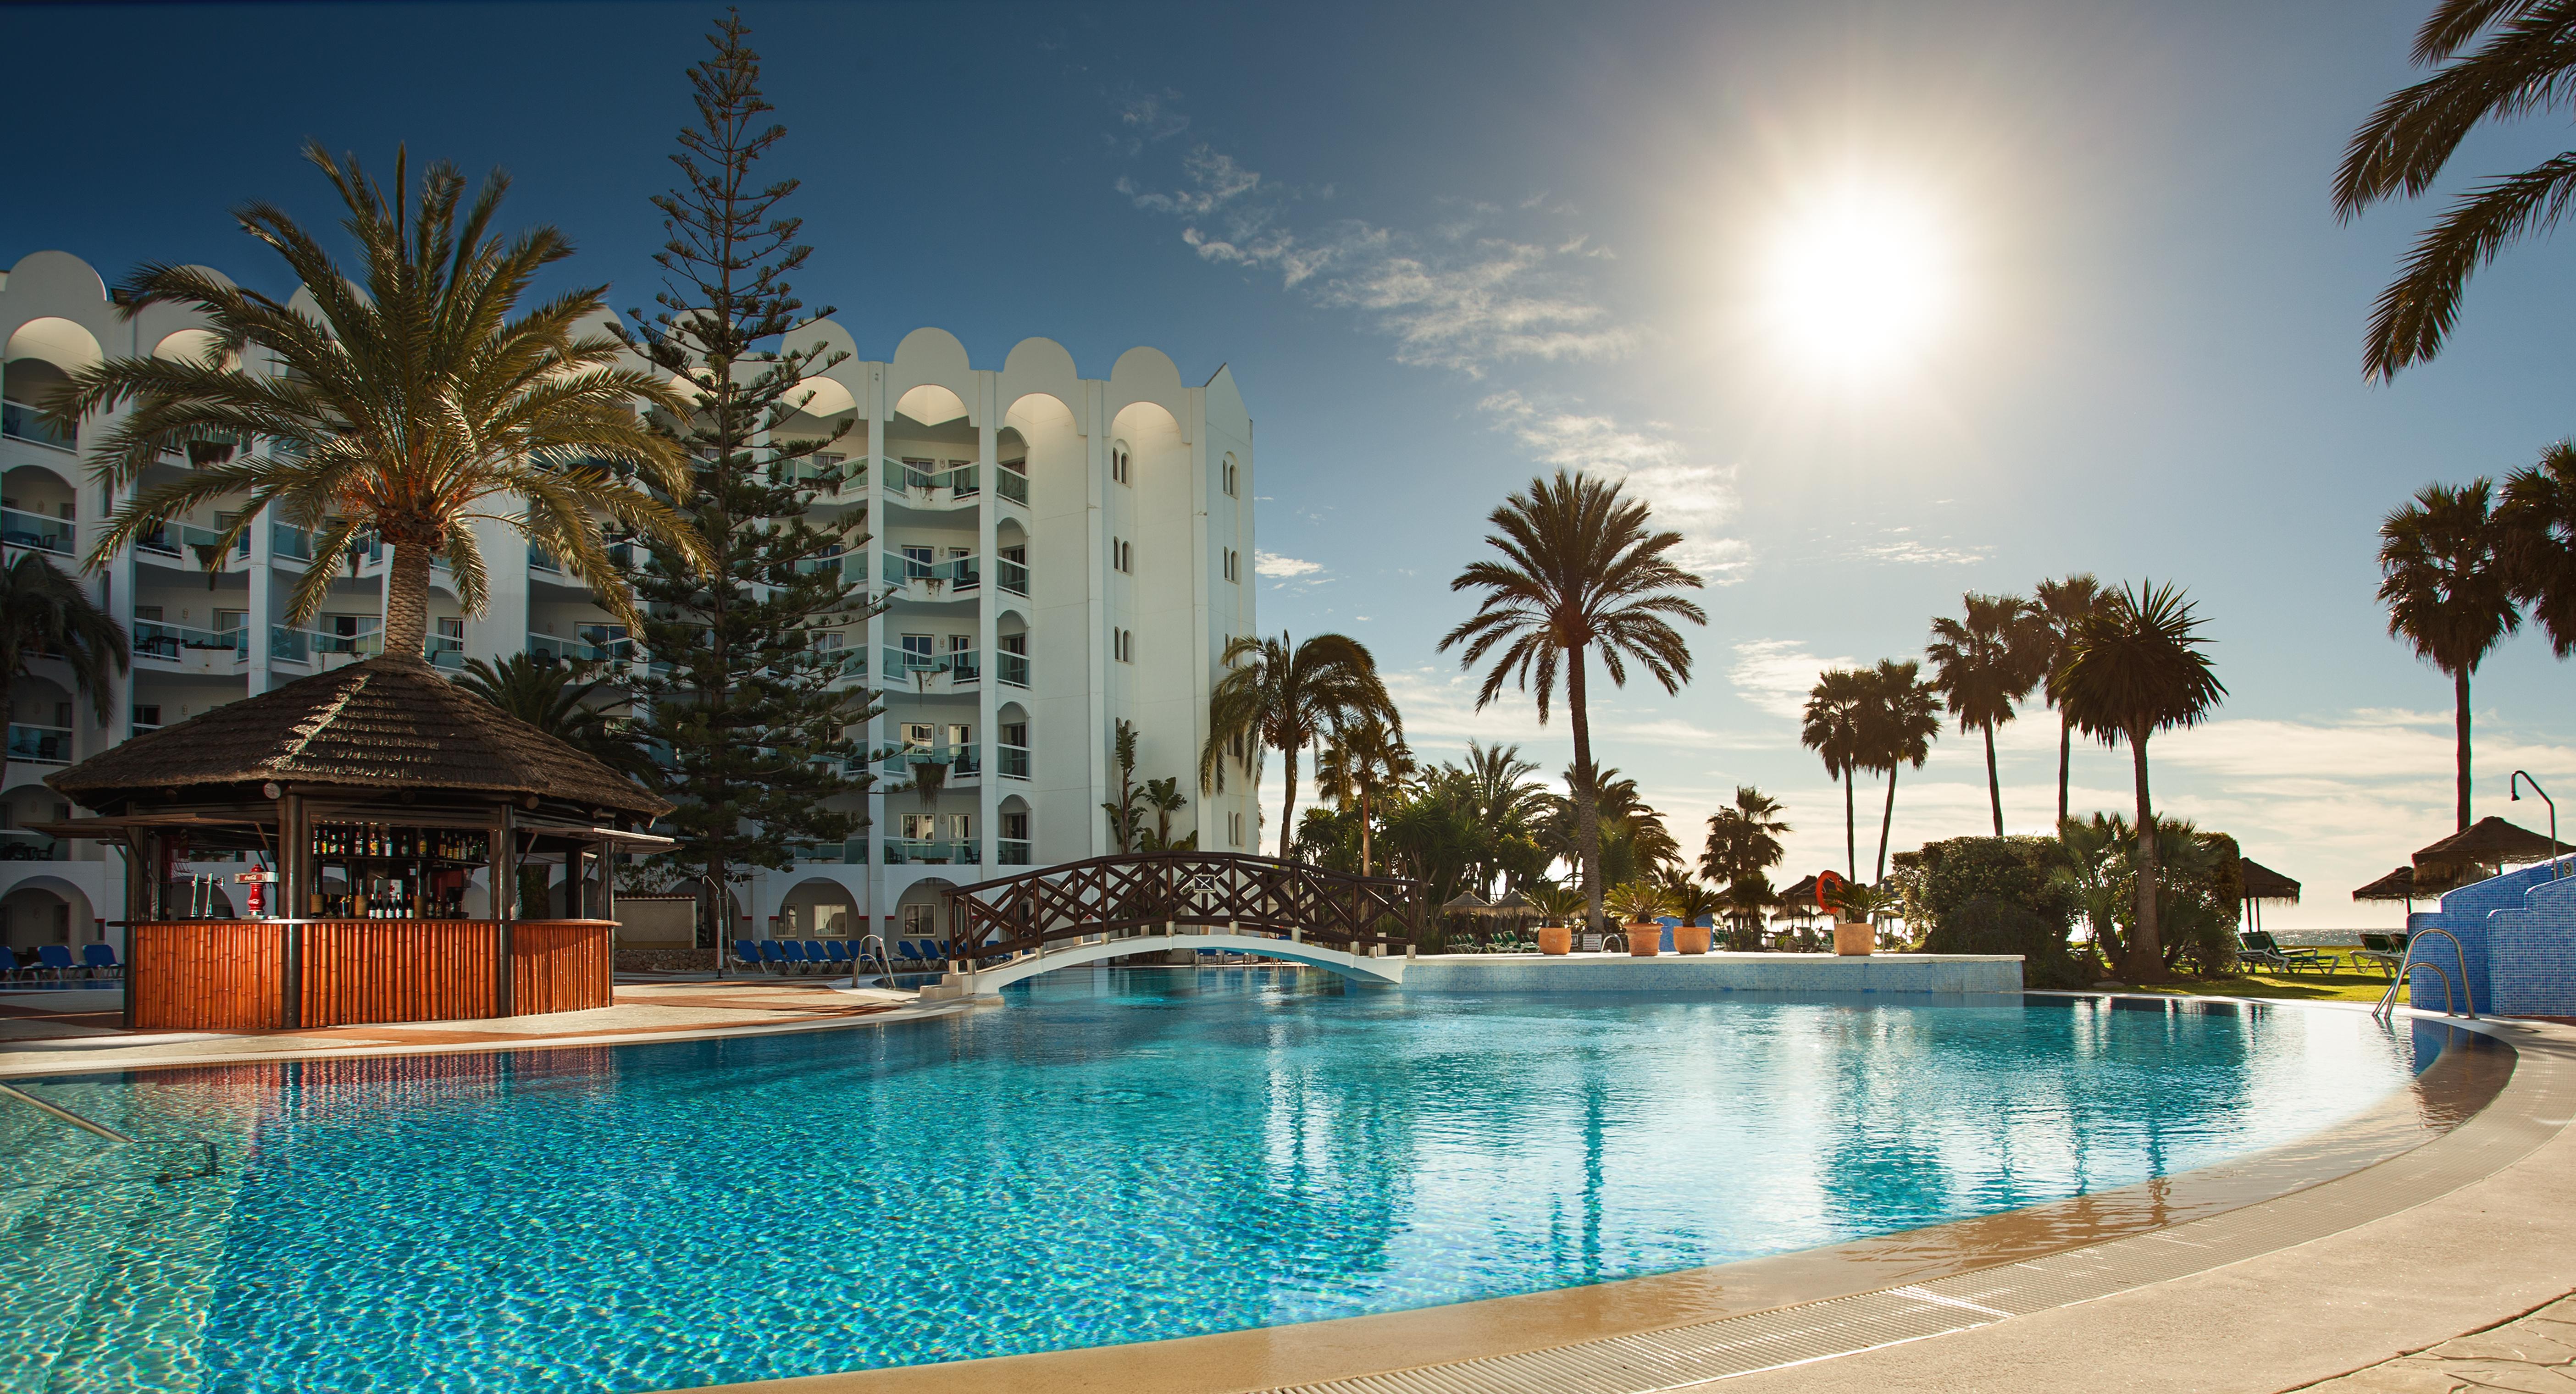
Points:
(566, 704)
(1985, 662)
(1831, 727)
(2443, 577)
(2523, 61)
(1899, 722)
(407, 405)
(1365, 761)
(45, 614)
(1579, 570)
(2063, 604)
(1286, 696)
(2140, 667)
(2538, 516)
(1744, 837)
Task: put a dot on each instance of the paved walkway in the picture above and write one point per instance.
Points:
(2531, 1354)
(56, 1031)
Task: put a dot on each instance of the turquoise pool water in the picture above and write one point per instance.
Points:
(1116, 1156)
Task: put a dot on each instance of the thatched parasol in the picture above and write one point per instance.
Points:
(2263, 883)
(386, 725)
(1466, 903)
(1798, 902)
(2396, 885)
(2490, 841)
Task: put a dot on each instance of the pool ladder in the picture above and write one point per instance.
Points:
(2388, 1000)
(199, 1153)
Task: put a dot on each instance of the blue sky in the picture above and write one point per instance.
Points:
(1446, 246)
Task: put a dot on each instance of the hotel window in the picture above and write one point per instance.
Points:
(961, 827)
(1122, 556)
(1233, 565)
(916, 651)
(1234, 829)
(1118, 464)
(1229, 478)
(917, 562)
(1015, 733)
(919, 735)
(1122, 645)
(1015, 827)
(920, 827)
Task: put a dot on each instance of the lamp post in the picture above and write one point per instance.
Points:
(2519, 780)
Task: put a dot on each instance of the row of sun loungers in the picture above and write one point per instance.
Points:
(55, 961)
(838, 956)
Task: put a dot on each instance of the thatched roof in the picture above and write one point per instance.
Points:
(1465, 903)
(2396, 885)
(389, 723)
(2490, 841)
(2263, 883)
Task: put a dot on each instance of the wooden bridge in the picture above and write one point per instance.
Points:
(1018, 926)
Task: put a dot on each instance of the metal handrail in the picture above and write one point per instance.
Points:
(2388, 1000)
(64, 1114)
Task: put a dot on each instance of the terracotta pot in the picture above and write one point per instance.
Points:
(1644, 940)
(1855, 939)
(1556, 939)
(1691, 938)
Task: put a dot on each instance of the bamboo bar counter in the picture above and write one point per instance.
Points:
(387, 819)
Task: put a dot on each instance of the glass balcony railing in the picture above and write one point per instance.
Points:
(291, 542)
(906, 662)
(20, 528)
(1014, 577)
(289, 645)
(903, 850)
(190, 542)
(1015, 669)
(849, 662)
(20, 421)
(1015, 761)
(1013, 852)
(591, 644)
(963, 482)
(539, 559)
(366, 645)
(445, 651)
(50, 745)
(153, 639)
(1011, 484)
(823, 468)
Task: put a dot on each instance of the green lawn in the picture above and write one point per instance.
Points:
(2348, 984)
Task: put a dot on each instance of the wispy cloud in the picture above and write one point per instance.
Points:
(1147, 118)
(1694, 499)
(1279, 568)
(1777, 674)
(1909, 551)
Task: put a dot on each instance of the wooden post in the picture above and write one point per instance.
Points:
(293, 857)
(505, 907)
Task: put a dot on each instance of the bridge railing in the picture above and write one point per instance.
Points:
(1141, 891)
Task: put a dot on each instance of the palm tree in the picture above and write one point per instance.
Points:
(1899, 722)
(408, 403)
(1366, 760)
(1744, 837)
(45, 614)
(1985, 662)
(1164, 796)
(1831, 727)
(2538, 518)
(1286, 696)
(1579, 570)
(562, 702)
(2139, 667)
(2063, 604)
(2444, 580)
(2521, 65)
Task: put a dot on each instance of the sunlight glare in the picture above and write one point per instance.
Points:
(1858, 281)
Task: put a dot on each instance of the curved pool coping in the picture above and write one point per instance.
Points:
(1812, 1320)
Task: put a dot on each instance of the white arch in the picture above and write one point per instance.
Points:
(822, 397)
(55, 340)
(931, 405)
(986, 982)
(184, 345)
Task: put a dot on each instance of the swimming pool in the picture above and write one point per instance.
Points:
(1117, 1156)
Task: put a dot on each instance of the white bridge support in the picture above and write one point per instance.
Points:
(1071, 953)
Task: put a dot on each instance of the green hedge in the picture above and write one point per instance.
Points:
(1996, 895)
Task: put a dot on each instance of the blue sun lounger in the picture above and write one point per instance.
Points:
(746, 954)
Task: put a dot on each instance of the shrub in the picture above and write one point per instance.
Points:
(1996, 895)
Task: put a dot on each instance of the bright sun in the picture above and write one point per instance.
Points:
(1858, 282)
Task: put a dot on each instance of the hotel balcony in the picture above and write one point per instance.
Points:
(21, 421)
(21, 528)
(42, 745)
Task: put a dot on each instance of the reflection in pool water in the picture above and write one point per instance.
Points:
(1123, 1156)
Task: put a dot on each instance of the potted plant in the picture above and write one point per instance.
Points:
(1856, 910)
(1559, 904)
(1637, 904)
(1692, 938)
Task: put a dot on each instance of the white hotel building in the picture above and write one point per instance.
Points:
(1062, 553)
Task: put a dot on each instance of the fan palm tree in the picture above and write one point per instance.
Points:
(2063, 604)
(1365, 761)
(1286, 696)
(408, 404)
(1831, 727)
(2522, 62)
(2140, 667)
(2443, 577)
(1985, 662)
(1899, 722)
(2538, 516)
(1744, 837)
(559, 700)
(45, 614)
(1579, 570)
